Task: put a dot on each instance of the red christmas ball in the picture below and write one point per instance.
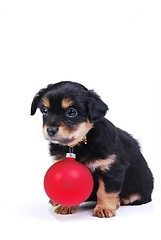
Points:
(68, 182)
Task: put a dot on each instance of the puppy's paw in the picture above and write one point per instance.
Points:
(66, 210)
(103, 211)
(53, 203)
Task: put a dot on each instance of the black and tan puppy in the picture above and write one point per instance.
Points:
(73, 116)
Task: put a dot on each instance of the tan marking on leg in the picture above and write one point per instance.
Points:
(66, 102)
(107, 203)
(46, 102)
(66, 210)
(130, 199)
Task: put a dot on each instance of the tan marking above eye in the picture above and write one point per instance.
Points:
(46, 102)
(66, 102)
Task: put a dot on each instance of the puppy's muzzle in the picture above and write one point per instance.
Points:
(52, 131)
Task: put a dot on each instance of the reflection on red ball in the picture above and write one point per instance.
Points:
(68, 182)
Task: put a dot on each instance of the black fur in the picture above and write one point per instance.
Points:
(129, 174)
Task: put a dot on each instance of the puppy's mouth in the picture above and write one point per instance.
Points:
(71, 142)
(65, 141)
(66, 137)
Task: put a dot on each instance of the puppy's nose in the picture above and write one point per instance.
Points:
(51, 131)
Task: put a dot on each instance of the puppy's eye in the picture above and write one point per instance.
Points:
(71, 112)
(44, 111)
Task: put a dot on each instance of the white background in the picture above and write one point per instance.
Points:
(113, 47)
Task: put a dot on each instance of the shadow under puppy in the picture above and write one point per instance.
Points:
(73, 116)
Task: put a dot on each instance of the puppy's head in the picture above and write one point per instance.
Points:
(69, 111)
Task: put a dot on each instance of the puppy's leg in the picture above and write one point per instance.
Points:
(107, 203)
(66, 210)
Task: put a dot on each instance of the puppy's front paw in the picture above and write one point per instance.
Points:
(66, 210)
(53, 203)
(103, 211)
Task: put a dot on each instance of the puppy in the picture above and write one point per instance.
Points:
(73, 116)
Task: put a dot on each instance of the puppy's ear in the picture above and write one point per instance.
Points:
(96, 107)
(38, 98)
